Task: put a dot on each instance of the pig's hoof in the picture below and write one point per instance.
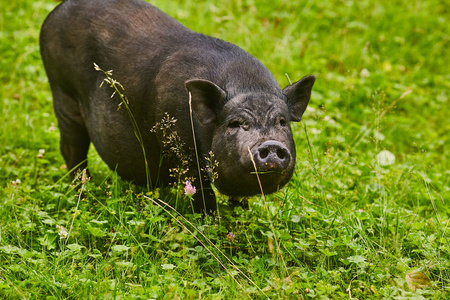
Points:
(238, 201)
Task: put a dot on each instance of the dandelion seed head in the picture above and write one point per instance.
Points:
(364, 73)
(385, 158)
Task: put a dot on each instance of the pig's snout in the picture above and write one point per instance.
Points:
(272, 156)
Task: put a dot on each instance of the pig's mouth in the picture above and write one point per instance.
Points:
(249, 182)
(265, 172)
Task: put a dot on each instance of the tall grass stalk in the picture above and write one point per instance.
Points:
(196, 154)
(83, 183)
(115, 85)
(272, 228)
(315, 164)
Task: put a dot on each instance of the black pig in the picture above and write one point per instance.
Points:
(238, 107)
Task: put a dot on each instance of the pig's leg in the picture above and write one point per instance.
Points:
(74, 143)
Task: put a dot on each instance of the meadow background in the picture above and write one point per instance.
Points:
(355, 221)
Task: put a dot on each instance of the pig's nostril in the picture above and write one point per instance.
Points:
(263, 153)
(281, 153)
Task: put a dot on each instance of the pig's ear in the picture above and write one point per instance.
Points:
(298, 95)
(207, 99)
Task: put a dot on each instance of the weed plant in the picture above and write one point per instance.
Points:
(366, 215)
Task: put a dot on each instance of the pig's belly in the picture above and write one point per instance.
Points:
(113, 136)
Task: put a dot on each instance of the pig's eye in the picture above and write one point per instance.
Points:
(234, 124)
(283, 122)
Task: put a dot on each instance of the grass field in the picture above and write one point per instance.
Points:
(366, 215)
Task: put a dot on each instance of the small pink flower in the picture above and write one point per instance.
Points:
(230, 236)
(189, 189)
(52, 127)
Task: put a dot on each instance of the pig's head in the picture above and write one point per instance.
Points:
(251, 130)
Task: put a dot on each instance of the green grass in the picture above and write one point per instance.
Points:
(345, 226)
